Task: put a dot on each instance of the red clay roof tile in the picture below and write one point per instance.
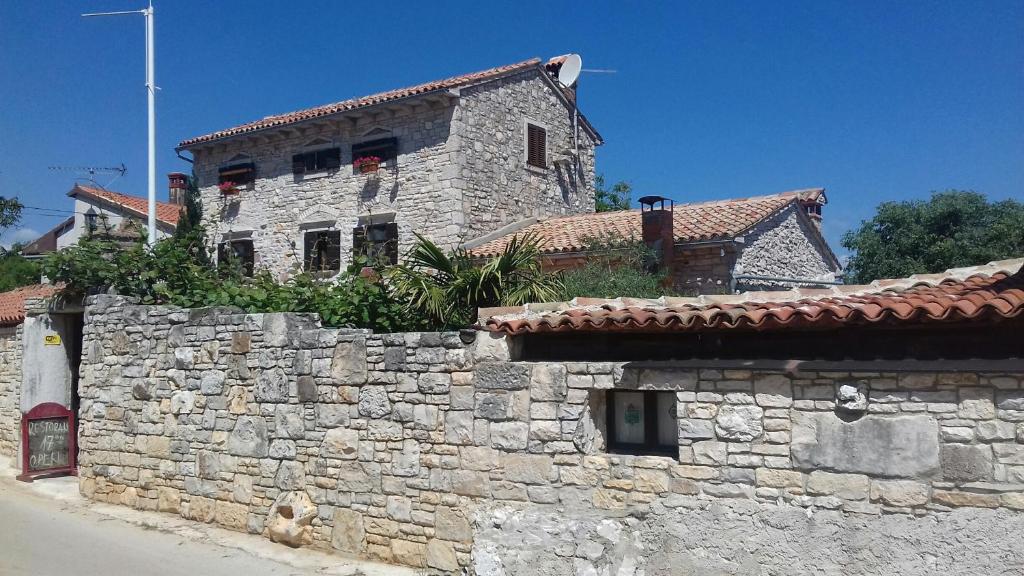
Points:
(354, 103)
(165, 212)
(691, 223)
(12, 303)
(982, 293)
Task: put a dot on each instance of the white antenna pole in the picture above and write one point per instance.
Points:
(151, 98)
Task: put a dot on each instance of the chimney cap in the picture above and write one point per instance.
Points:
(650, 201)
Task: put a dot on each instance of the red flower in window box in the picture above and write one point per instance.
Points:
(367, 164)
(228, 188)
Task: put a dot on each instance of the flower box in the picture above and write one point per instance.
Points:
(367, 164)
(228, 188)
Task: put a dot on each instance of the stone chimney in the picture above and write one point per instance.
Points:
(177, 188)
(656, 228)
(812, 201)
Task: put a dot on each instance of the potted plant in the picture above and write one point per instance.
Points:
(367, 164)
(228, 188)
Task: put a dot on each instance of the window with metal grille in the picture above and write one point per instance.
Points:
(322, 250)
(316, 161)
(536, 146)
(642, 422)
(239, 174)
(237, 253)
(377, 242)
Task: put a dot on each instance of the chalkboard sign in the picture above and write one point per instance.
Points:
(47, 441)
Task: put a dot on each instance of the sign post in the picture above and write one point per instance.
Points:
(47, 442)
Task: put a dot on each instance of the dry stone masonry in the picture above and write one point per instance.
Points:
(440, 450)
(10, 390)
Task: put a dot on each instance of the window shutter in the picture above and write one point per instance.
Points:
(332, 159)
(536, 143)
(358, 241)
(298, 165)
(392, 243)
(309, 250)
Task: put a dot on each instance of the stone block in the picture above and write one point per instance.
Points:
(976, 404)
(478, 457)
(903, 493)
(231, 515)
(709, 452)
(948, 498)
(409, 553)
(458, 427)
(739, 422)
(354, 476)
(658, 379)
(305, 387)
(651, 480)
(407, 461)
(374, 402)
(492, 406)
(452, 524)
(510, 435)
(773, 391)
(966, 462)
(212, 382)
(342, 443)
(548, 383)
(168, 500)
(249, 437)
(348, 364)
(470, 483)
(290, 476)
(237, 400)
(434, 383)
(502, 376)
(845, 486)
(897, 446)
(995, 430)
(288, 422)
(348, 534)
(271, 386)
(441, 555)
(692, 429)
(528, 469)
(773, 478)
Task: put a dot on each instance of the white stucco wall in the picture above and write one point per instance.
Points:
(114, 219)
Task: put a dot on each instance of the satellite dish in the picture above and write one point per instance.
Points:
(570, 70)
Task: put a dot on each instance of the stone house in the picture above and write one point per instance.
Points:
(857, 430)
(719, 247)
(101, 211)
(459, 157)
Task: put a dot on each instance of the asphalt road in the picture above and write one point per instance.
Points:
(40, 536)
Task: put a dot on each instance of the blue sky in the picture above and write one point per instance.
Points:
(874, 101)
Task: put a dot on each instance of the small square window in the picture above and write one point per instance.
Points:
(536, 146)
(377, 242)
(239, 174)
(642, 422)
(237, 252)
(322, 251)
(384, 148)
(316, 161)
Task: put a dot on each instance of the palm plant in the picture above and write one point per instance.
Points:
(448, 288)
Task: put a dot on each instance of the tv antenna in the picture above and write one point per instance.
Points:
(92, 171)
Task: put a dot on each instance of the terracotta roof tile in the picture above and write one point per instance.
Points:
(12, 303)
(691, 223)
(982, 293)
(354, 103)
(166, 213)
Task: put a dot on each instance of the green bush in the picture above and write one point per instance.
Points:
(615, 267)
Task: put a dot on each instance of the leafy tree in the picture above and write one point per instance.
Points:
(615, 267)
(610, 199)
(10, 212)
(953, 228)
(448, 288)
(16, 270)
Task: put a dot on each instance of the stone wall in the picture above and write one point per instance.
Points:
(500, 188)
(10, 389)
(785, 245)
(460, 173)
(422, 449)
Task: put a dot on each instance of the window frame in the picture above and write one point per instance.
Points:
(248, 168)
(248, 264)
(328, 166)
(651, 445)
(307, 261)
(527, 156)
(373, 147)
(360, 240)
